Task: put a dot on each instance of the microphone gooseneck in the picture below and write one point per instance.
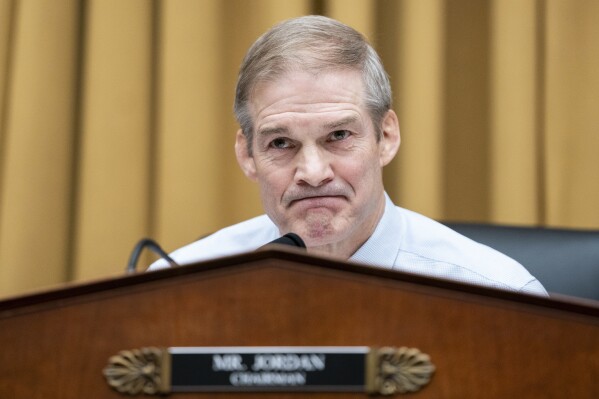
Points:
(154, 247)
(290, 239)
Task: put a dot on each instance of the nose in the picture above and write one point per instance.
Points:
(313, 167)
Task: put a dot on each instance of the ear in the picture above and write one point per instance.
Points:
(246, 162)
(390, 138)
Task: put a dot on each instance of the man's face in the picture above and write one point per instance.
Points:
(316, 158)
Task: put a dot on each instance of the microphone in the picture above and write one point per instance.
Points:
(291, 239)
(154, 247)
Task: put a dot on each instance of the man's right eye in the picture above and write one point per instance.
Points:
(280, 143)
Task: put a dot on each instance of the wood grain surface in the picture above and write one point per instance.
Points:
(484, 343)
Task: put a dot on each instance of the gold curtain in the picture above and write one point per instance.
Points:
(116, 121)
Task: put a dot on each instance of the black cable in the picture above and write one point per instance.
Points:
(154, 247)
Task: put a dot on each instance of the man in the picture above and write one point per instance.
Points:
(314, 105)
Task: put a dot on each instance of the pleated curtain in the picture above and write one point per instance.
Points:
(116, 119)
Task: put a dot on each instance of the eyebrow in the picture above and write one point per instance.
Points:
(273, 130)
(329, 126)
(341, 122)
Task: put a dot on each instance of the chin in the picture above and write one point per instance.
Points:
(318, 227)
(319, 237)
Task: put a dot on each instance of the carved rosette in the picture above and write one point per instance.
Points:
(138, 371)
(400, 370)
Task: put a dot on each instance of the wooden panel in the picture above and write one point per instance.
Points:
(483, 342)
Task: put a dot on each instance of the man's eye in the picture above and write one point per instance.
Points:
(339, 135)
(280, 143)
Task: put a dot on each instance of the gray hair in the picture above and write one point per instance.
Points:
(311, 43)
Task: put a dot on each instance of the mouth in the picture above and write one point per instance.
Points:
(324, 201)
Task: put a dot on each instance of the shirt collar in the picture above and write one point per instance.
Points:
(382, 247)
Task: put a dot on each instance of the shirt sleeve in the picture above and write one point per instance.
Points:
(534, 287)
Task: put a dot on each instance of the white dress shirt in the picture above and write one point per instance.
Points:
(403, 240)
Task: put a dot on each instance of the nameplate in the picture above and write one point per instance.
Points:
(268, 369)
(383, 371)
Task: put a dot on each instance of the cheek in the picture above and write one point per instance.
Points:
(272, 184)
(272, 187)
(359, 172)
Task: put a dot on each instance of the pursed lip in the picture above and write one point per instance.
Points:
(331, 193)
(320, 201)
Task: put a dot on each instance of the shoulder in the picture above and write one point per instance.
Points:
(434, 246)
(238, 238)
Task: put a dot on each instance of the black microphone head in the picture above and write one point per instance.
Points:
(291, 239)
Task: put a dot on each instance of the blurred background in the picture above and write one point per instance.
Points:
(116, 119)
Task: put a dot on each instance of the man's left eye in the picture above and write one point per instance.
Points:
(339, 135)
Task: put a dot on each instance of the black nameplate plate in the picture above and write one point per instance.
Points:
(340, 369)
